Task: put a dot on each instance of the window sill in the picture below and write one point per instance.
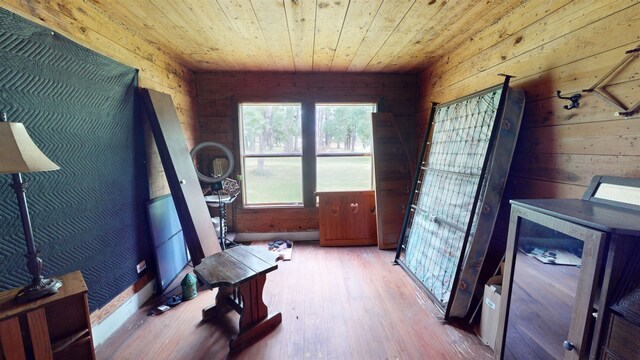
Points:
(273, 206)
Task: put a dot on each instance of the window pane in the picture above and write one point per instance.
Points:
(343, 128)
(337, 173)
(274, 180)
(271, 128)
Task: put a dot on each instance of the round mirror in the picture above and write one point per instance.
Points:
(213, 161)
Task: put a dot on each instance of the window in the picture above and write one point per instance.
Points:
(278, 148)
(343, 147)
(271, 153)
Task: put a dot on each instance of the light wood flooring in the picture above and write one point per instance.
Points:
(336, 303)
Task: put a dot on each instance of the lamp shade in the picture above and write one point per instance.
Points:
(18, 153)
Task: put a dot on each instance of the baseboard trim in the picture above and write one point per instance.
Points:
(107, 320)
(293, 235)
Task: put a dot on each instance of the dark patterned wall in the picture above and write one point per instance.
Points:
(80, 109)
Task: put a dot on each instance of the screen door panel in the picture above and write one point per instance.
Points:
(449, 183)
(457, 194)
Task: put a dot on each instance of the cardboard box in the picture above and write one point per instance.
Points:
(490, 313)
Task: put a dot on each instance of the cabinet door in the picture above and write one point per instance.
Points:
(347, 218)
(363, 210)
(549, 285)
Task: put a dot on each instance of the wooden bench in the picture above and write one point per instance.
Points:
(240, 273)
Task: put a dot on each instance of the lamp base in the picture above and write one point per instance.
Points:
(36, 290)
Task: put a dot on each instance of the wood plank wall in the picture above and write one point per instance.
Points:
(88, 26)
(219, 92)
(554, 45)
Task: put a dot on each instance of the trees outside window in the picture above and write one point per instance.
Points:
(343, 147)
(272, 150)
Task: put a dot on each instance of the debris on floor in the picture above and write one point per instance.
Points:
(284, 247)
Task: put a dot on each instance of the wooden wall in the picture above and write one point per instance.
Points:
(88, 26)
(219, 92)
(554, 45)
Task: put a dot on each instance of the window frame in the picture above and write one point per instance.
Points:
(309, 156)
(244, 156)
(374, 106)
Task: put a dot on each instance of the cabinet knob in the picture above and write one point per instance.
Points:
(567, 345)
(355, 207)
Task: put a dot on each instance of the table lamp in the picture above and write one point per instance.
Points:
(19, 154)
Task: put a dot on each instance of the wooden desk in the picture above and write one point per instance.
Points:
(241, 273)
(53, 327)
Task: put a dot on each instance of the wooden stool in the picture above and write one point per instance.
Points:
(240, 272)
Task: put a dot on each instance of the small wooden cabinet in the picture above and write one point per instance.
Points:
(572, 276)
(347, 218)
(53, 327)
(552, 309)
(621, 340)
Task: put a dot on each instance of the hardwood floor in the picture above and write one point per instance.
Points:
(336, 303)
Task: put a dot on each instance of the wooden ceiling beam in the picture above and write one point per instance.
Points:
(415, 21)
(355, 27)
(272, 19)
(387, 19)
(330, 16)
(437, 40)
(242, 19)
(301, 18)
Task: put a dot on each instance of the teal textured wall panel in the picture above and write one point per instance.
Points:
(80, 109)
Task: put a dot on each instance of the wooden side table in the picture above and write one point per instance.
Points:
(53, 327)
(241, 273)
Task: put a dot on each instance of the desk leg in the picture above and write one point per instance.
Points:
(222, 305)
(254, 322)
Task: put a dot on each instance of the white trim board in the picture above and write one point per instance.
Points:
(102, 330)
(293, 235)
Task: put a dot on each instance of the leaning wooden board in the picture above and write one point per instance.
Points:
(187, 195)
(393, 174)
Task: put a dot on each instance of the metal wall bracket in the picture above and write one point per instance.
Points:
(575, 100)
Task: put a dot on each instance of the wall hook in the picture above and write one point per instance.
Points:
(575, 100)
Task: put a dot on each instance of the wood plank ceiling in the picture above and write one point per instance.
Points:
(307, 35)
